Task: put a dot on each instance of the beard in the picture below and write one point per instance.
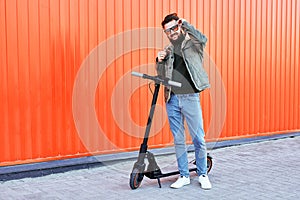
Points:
(177, 41)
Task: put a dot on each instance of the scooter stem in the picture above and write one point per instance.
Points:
(144, 145)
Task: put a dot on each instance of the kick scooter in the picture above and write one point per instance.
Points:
(153, 171)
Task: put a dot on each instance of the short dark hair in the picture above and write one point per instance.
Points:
(169, 18)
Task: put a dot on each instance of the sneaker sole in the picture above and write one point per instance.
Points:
(179, 187)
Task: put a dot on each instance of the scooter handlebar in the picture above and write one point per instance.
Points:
(174, 83)
(137, 74)
(157, 79)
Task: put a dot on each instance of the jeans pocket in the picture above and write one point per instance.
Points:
(193, 98)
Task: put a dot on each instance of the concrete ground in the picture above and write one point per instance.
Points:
(261, 170)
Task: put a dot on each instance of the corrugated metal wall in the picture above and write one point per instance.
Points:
(65, 85)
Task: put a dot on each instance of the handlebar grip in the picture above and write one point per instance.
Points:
(174, 83)
(137, 74)
(157, 79)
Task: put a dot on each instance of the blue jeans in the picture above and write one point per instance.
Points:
(187, 106)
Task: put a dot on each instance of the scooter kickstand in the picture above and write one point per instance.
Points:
(159, 184)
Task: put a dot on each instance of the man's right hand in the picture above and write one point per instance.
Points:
(161, 56)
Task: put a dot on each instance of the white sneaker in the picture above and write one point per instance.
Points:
(204, 181)
(181, 181)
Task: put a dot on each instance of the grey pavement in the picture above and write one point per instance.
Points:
(262, 170)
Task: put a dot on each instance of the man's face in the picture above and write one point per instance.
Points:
(172, 30)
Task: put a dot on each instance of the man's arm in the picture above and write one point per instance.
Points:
(197, 37)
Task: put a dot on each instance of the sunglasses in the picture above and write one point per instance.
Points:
(173, 28)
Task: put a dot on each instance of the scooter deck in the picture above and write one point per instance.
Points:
(158, 174)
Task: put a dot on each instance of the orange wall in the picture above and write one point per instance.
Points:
(66, 89)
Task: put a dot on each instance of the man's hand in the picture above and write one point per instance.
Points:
(179, 22)
(161, 56)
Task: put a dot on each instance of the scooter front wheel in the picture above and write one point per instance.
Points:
(136, 178)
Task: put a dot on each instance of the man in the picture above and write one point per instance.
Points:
(182, 61)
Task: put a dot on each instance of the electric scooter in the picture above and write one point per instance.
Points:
(153, 171)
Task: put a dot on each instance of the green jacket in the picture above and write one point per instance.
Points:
(192, 52)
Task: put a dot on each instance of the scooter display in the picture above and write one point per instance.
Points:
(153, 171)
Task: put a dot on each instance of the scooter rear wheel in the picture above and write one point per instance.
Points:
(209, 163)
(136, 178)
